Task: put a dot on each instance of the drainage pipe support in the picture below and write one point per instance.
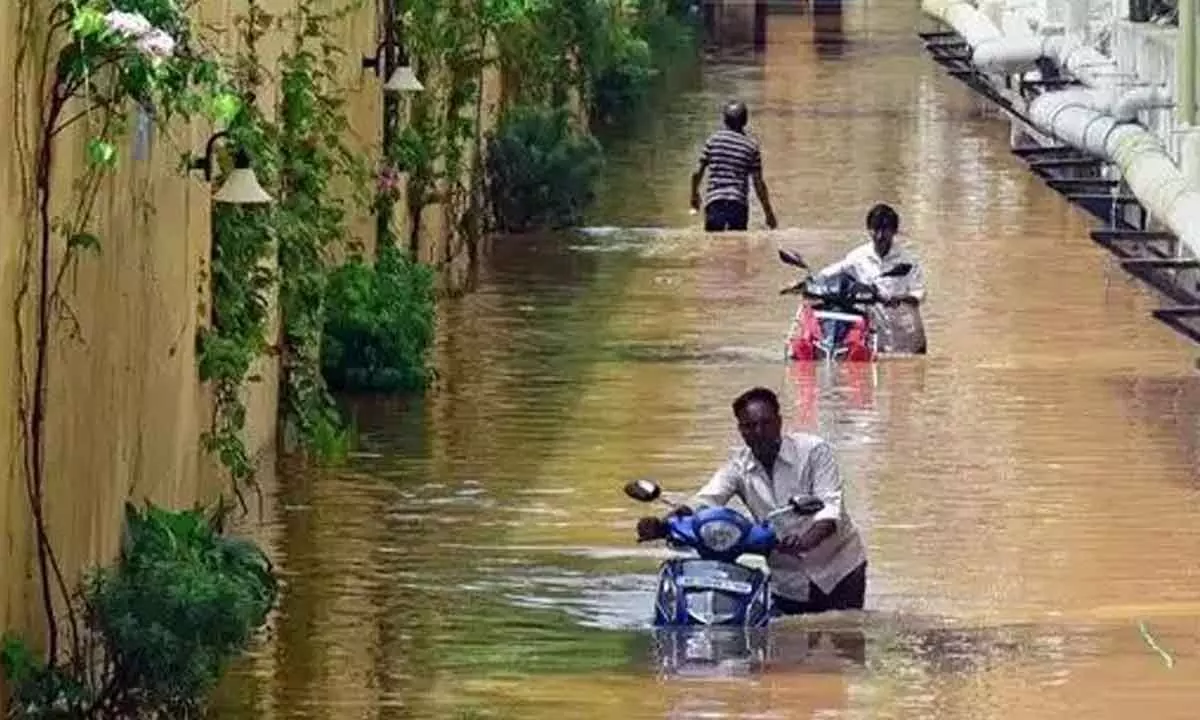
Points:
(1072, 115)
(992, 50)
(1139, 156)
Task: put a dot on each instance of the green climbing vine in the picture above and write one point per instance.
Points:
(300, 157)
(99, 68)
(312, 216)
(448, 41)
(241, 272)
(103, 68)
(607, 52)
(590, 57)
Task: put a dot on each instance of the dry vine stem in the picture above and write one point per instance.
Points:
(36, 261)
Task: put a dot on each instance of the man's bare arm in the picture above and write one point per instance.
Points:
(696, 177)
(764, 197)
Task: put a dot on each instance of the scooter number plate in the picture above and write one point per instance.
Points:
(715, 583)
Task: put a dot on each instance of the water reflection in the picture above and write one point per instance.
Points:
(1027, 490)
(740, 652)
(735, 24)
(829, 39)
(795, 668)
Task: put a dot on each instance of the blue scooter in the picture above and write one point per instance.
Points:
(713, 589)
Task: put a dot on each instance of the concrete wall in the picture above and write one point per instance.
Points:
(126, 407)
(124, 404)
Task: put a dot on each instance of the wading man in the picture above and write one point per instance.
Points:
(731, 157)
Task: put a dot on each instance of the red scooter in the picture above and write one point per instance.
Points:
(833, 323)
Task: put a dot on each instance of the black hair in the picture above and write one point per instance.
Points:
(735, 115)
(756, 394)
(883, 216)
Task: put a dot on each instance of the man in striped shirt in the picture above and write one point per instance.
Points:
(731, 157)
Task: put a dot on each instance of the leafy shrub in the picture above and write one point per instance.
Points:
(623, 80)
(540, 170)
(633, 52)
(160, 625)
(379, 324)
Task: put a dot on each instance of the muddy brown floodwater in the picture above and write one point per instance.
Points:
(1028, 489)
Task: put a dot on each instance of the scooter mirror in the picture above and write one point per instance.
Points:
(792, 258)
(899, 271)
(643, 490)
(806, 504)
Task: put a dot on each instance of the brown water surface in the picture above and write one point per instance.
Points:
(1028, 490)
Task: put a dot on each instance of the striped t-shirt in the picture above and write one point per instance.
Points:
(731, 157)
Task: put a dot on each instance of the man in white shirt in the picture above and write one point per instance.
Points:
(898, 318)
(820, 563)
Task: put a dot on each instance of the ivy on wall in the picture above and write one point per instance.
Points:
(312, 137)
(548, 51)
(300, 156)
(243, 277)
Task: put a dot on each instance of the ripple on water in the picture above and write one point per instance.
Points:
(1027, 490)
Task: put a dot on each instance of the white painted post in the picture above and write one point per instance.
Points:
(1189, 156)
(1185, 64)
(1077, 19)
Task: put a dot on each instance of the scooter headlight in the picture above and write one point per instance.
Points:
(720, 535)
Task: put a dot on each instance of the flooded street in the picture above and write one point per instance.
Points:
(1028, 490)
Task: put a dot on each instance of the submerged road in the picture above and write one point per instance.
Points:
(1027, 490)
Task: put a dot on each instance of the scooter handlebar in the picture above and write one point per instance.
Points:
(651, 528)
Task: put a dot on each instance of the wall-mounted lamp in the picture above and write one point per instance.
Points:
(402, 80)
(242, 186)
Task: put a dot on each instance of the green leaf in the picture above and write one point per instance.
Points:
(16, 660)
(84, 241)
(87, 22)
(101, 153)
(225, 107)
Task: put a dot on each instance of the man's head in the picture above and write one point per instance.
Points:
(736, 115)
(761, 427)
(882, 223)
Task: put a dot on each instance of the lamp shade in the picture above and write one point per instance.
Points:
(242, 188)
(403, 79)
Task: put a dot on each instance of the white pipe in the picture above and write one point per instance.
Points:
(972, 25)
(993, 10)
(1077, 58)
(1007, 54)
(1127, 106)
(1139, 156)
(1124, 106)
(1077, 19)
(1072, 117)
(992, 50)
(1143, 162)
